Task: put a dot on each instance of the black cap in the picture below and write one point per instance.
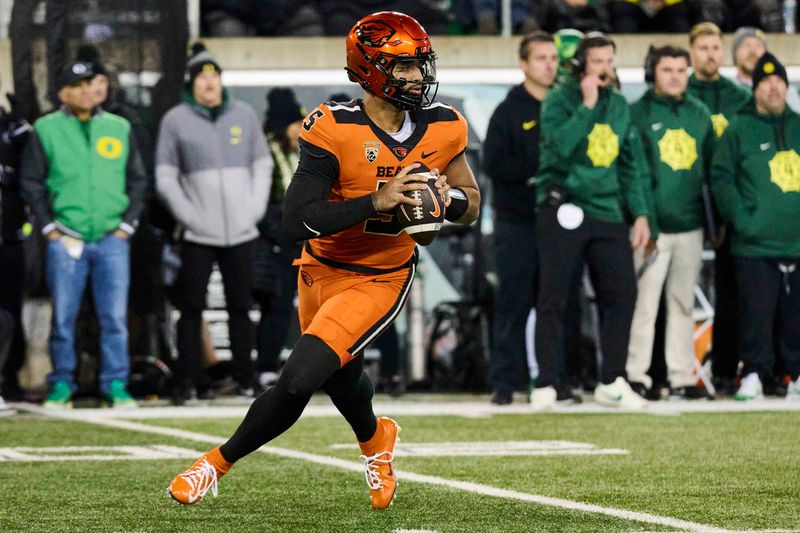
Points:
(88, 53)
(768, 65)
(75, 72)
(282, 110)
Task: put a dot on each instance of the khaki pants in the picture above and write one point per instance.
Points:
(676, 268)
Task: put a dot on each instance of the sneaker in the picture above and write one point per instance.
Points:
(692, 392)
(267, 379)
(119, 397)
(60, 396)
(618, 394)
(750, 388)
(725, 386)
(793, 391)
(502, 397)
(543, 398)
(5, 409)
(190, 486)
(377, 456)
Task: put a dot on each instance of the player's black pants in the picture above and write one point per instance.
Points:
(605, 247)
(235, 264)
(766, 293)
(312, 366)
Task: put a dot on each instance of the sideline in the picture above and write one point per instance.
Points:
(474, 488)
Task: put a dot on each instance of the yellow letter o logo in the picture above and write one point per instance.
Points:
(109, 147)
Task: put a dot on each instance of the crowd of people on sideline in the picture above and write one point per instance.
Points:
(587, 190)
(630, 194)
(232, 18)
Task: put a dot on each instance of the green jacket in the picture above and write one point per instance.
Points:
(85, 179)
(678, 137)
(592, 153)
(723, 98)
(755, 177)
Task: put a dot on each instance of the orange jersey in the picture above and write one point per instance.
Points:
(367, 158)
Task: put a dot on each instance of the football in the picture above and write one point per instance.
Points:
(422, 222)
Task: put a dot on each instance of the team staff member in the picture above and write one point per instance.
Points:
(724, 99)
(511, 159)
(756, 182)
(590, 183)
(677, 136)
(357, 267)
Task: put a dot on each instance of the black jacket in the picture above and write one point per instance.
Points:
(14, 134)
(511, 153)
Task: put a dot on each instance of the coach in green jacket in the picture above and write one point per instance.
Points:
(588, 189)
(84, 180)
(678, 137)
(756, 182)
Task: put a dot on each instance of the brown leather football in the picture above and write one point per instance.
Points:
(422, 222)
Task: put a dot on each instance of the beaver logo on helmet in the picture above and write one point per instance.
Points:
(375, 33)
(377, 43)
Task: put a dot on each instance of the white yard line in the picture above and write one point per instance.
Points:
(473, 488)
(468, 409)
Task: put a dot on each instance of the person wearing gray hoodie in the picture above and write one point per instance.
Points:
(213, 172)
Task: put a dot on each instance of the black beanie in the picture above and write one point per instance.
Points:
(201, 60)
(88, 53)
(282, 110)
(768, 65)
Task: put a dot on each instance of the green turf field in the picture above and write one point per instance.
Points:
(699, 472)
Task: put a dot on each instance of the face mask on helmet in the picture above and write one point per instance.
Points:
(390, 56)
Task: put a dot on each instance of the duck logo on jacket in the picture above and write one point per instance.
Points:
(784, 170)
(678, 149)
(603, 146)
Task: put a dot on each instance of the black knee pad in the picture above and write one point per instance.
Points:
(311, 364)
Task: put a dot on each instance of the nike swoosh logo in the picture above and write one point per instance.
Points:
(764, 146)
(424, 155)
(657, 126)
(436, 212)
(312, 230)
(529, 125)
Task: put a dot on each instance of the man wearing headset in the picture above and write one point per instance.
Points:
(677, 135)
(590, 191)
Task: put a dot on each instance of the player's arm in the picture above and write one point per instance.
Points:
(465, 197)
(309, 213)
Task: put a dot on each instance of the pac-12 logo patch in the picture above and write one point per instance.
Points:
(307, 279)
(371, 151)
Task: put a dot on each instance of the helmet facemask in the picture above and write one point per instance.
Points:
(399, 72)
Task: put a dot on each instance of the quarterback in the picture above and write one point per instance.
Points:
(356, 162)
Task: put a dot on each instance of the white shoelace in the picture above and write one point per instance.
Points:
(200, 479)
(371, 464)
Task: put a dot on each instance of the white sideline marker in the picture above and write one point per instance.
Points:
(494, 448)
(474, 488)
(29, 454)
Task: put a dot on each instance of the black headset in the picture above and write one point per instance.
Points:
(593, 39)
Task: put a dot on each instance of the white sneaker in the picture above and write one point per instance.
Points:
(618, 394)
(543, 398)
(5, 409)
(793, 391)
(750, 388)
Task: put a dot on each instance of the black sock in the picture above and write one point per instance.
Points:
(311, 364)
(351, 392)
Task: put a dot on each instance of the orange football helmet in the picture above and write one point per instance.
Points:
(377, 43)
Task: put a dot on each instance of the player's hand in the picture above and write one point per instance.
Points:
(391, 195)
(590, 87)
(640, 235)
(441, 186)
(54, 235)
(119, 234)
(650, 248)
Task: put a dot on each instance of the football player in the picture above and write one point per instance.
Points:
(356, 163)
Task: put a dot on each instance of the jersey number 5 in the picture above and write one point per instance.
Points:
(383, 223)
(309, 122)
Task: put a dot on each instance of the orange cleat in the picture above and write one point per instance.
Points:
(378, 454)
(190, 486)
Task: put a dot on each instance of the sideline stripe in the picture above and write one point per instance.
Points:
(474, 488)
